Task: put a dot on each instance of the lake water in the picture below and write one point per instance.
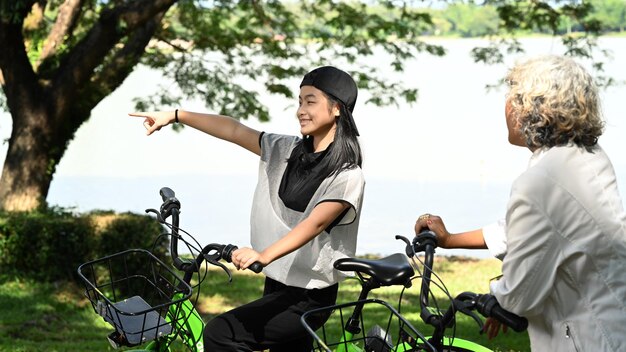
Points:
(217, 208)
(448, 154)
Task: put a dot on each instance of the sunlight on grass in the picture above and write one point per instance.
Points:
(214, 305)
(44, 316)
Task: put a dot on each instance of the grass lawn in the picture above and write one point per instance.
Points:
(56, 317)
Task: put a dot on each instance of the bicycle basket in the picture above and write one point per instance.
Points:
(381, 329)
(136, 293)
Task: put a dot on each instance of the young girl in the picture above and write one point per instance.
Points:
(305, 212)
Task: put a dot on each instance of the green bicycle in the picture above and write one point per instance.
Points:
(145, 301)
(395, 333)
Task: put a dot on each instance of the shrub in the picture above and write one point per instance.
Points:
(118, 232)
(46, 245)
(51, 244)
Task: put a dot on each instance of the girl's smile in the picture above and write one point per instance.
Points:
(316, 116)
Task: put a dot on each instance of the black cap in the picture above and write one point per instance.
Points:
(336, 83)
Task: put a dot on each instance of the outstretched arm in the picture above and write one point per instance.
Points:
(219, 126)
(319, 219)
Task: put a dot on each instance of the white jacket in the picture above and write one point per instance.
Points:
(565, 263)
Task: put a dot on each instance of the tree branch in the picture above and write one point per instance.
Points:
(113, 25)
(182, 47)
(18, 78)
(68, 15)
(122, 64)
(258, 9)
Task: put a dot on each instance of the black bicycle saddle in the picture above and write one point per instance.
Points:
(392, 270)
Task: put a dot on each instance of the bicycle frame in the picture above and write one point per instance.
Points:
(359, 341)
(466, 302)
(392, 271)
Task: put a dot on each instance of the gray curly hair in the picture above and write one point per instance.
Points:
(555, 102)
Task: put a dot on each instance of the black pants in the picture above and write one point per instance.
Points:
(271, 322)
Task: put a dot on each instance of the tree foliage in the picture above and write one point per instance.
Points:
(611, 13)
(468, 20)
(576, 23)
(223, 46)
(60, 58)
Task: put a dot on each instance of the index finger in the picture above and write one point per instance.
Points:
(140, 114)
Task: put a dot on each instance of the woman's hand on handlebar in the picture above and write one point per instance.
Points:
(243, 257)
(492, 328)
(473, 239)
(155, 120)
(436, 225)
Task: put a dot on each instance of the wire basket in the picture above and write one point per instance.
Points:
(136, 293)
(381, 329)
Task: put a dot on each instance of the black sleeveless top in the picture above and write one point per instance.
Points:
(302, 178)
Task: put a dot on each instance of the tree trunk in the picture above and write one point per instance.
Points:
(30, 161)
(48, 106)
(26, 174)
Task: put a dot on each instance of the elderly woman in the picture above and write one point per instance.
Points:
(563, 241)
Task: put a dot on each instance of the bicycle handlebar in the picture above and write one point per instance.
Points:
(167, 193)
(425, 242)
(171, 206)
(211, 253)
(228, 253)
(486, 304)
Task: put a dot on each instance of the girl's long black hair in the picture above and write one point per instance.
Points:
(345, 151)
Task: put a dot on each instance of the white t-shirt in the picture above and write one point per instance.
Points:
(311, 266)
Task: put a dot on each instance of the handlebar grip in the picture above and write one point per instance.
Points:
(227, 254)
(167, 193)
(488, 306)
(256, 267)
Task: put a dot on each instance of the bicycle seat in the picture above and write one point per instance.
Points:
(392, 270)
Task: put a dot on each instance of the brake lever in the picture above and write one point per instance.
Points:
(211, 260)
(409, 248)
(467, 309)
(157, 213)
